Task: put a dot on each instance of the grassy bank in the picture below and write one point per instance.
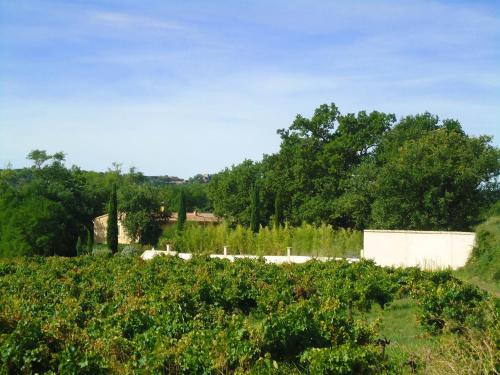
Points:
(483, 267)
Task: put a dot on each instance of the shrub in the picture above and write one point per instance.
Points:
(306, 239)
(130, 251)
(485, 257)
(346, 359)
(101, 252)
(450, 305)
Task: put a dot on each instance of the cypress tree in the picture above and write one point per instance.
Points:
(254, 209)
(278, 209)
(90, 242)
(112, 232)
(79, 247)
(181, 214)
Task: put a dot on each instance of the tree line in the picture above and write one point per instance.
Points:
(364, 170)
(48, 208)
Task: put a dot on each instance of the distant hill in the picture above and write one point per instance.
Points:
(165, 180)
(25, 174)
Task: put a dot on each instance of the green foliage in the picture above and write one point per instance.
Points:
(483, 266)
(195, 196)
(94, 315)
(43, 208)
(255, 209)
(80, 249)
(89, 243)
(345, 359)
(278, 209)
(142, 216)
(130, 251)
(112, 225)
(123, 315)
(485, 257)
(181, 214)
(102, 252)
(451, 305)
(230, 192)
(366, 169)
(304, 240)
(434, 182)
(316, 161)
(34, 226)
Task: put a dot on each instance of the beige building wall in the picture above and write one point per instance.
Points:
(100, 230)
(101, 225)
(424, 249)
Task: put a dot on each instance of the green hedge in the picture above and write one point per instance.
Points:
(306, 239)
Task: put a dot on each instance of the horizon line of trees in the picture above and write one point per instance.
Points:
(365, 170)
(48, 208)
(348, 171)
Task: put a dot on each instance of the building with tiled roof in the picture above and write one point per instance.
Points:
(101, 224)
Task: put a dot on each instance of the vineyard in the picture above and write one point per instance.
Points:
(103, 314)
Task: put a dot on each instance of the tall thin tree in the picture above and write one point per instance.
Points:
(79, 247)
(112, 231)
(255, 209)
(181, 214)
(278, 209)
(90, 241)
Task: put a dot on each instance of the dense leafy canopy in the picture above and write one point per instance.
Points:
(141, 212)
(367, 170)
(46, 208)
(43, 209)
(437, 182)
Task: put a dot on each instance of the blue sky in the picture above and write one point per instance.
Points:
(186, 87)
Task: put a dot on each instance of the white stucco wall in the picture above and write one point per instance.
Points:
(426, 249)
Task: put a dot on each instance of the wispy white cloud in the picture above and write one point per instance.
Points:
(134, 21)
(220, 77)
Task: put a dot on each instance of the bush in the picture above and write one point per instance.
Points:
(485, 257)
(451, 305)
(130, 251)
(306, 239)
(101, 252)
(346, 359)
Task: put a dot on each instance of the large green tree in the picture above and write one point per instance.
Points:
(195, 196)
(141, 206)
(230, 192)
(438, 181)
(347, 170)
(33, 226)
(44, 208)
(317, 159)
